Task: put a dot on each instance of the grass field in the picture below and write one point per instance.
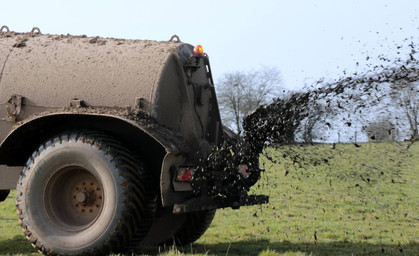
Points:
(344, 201)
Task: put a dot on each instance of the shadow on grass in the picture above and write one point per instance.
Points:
(19, 245)
(326, 248)
(16, 245)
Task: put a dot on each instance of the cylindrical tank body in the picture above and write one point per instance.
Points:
(49, 71)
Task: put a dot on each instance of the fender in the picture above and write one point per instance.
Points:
(155, 143)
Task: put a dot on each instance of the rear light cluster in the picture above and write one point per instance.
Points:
(184, 173)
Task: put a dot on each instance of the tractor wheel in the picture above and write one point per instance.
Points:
(4, 194)
(82, 193)
(180, 229)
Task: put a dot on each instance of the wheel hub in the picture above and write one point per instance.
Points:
(81, 197)
(74, 198)
(87, 196)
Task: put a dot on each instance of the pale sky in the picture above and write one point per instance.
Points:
(305, 39)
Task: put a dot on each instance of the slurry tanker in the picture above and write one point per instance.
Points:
(105, 141)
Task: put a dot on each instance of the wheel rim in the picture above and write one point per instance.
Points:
(73, 198)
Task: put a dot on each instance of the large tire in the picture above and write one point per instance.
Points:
(194, 227)
(4, 194)
(82, 193)
(179, 229)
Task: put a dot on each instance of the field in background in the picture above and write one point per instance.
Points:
(345, 201)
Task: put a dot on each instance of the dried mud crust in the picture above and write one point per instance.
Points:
(131, 216)
(87, 39)
(173, 140)
(116, 70)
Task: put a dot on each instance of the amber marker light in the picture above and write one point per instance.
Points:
(198, 51)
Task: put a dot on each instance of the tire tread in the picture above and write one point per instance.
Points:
(139, 203)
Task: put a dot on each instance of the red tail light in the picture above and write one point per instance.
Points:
(184, 174)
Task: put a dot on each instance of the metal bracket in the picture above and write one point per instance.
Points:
(5, 28)
(140, 103)
(76, 103)
(175, 38)
(206, 203)
(14, 106)
(36, 30)
(199, 91)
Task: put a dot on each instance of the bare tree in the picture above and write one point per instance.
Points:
(316, 113)
(381, 130)
(239, 93)
(405, 94)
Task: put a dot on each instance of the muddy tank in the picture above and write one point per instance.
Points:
(101, 138)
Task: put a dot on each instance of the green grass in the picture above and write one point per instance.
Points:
(343, 201)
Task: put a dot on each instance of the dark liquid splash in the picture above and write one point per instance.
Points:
(355, 99)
